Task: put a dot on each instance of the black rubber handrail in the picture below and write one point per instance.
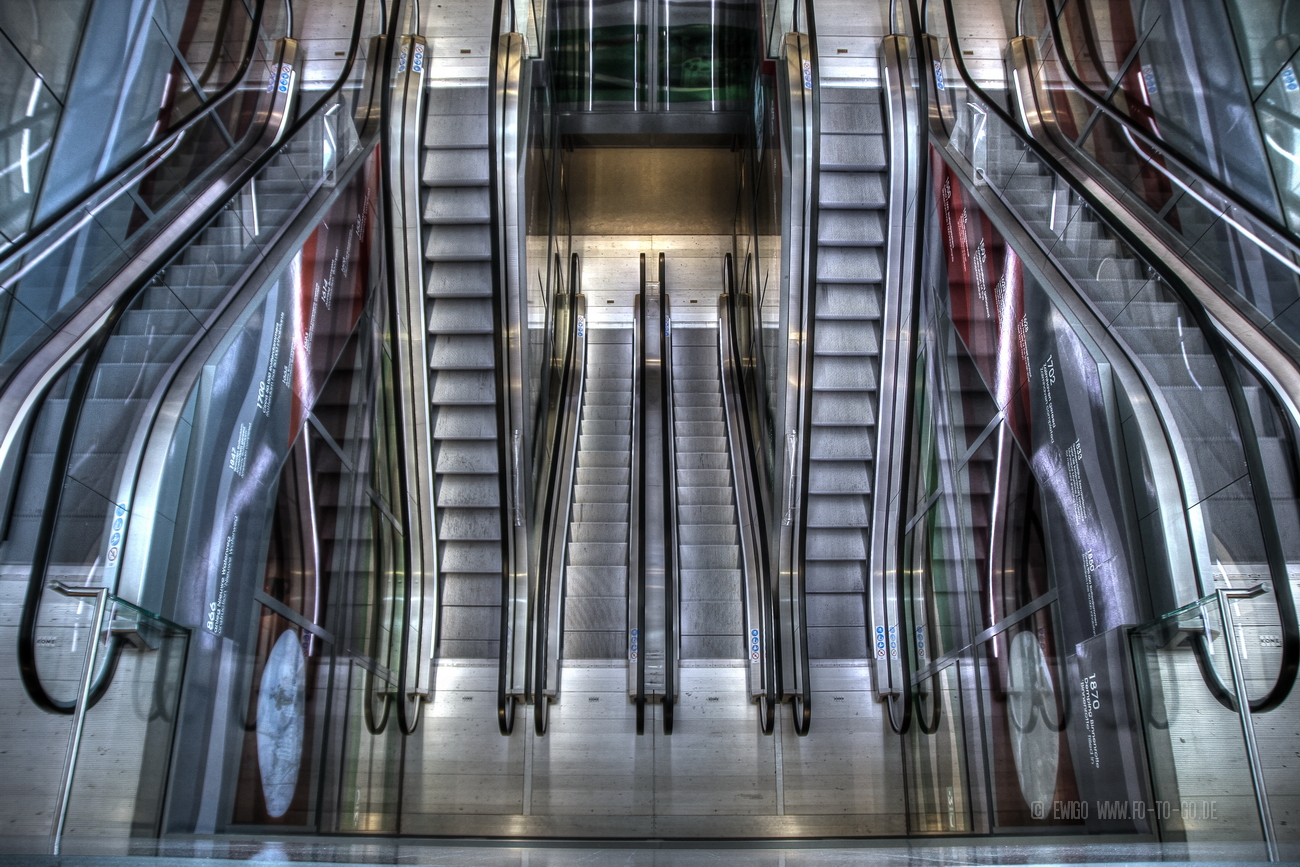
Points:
(801, 706)
(88, 361)
(506, 699)
(406, 721)
(39, 233)
(1226, 363)
(555, 518)
(638, 491)
(672, 578)
(1181, 160)
(771, 639)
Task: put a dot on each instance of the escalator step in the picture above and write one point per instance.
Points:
(471, 557)
(599, 531)
(852, 117)
(843, 374)
(719, 496)
(469, 524)
(617, 458)
(600, 494)
(845, 339)
(838, 477)
(845, 228)
(838, 408)
(834, 576)
(840, 545)
(708, 534)
(471, 100)
(585, 475)
(861, 152)
(460, 456)
(597, 581)
(457, 205)
(459, 316)
(465, 423)
(842, 443)
(464, 387)
(837, 642)
(462, 352)
(595, 512)
(455, 168)
(459, 243)
(468, 491)
(848, 265)
(457, 131)
(709, 478)
(851, 190)
(459, 280)
(838, 511)
(597, 553)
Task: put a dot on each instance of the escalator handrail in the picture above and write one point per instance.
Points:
(1289, 257)
(1290, 656)
(49, 233)
(561, 473)
(801, 707)
(756, 555)
(636, 515)
(672, 574)
(395, 305)
(89, 356)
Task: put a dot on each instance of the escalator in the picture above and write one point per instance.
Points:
(98, 452)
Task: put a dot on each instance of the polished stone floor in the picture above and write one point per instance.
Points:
(213, 851)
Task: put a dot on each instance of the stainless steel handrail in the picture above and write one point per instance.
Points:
(672, 558)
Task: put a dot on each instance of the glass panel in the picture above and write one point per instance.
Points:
(601, 54)
(1189, 731)
(706, 54)
(936, 757)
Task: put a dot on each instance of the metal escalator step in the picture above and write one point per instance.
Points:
(838, 511)
(706, 513)
(471, 557)
(472, 590)
(710, 584)
(838, 477)
(459, 243)
(602, 580)
(703, 461)
(840, 443)
(837, 642)
(594, 512)
(851, 190)
(457, 205)
(459, 456)
(848, 301)
(455, 168)
(586, 475)
(616, 458)
(704, 497)
(846, 228)
(464, 423)
(593, 494)
(120, 381)
(851, 117)
(469, 524)
(701, 444)
(848, 265)
(460, 316)
(838, 337)
(706, 338)
(597, 553)
(596, 614)
(462, 352)
(843, 408)
(710, 478)
(710, 398)
(464, 387)
(833, 576)
(601, 443)
(600, 414)
(695, 429)
(838, 373)
(708, 534)
(599, 531)
(836, 609)
(712, 617)
(582, 644)
(614, 399)
(471, 99)
(713, 646)
(145, 322)
(459, 280)
(838, 545)
(458, 648)
(457, 131)
(683, 371)
(707, 414)
(860, 151)
(467, 492)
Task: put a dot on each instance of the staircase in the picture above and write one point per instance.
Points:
(853, 178)
(462, 381)
(596, 569)
(708, 543)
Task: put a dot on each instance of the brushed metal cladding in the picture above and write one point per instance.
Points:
(639, 191)
(595, 609)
